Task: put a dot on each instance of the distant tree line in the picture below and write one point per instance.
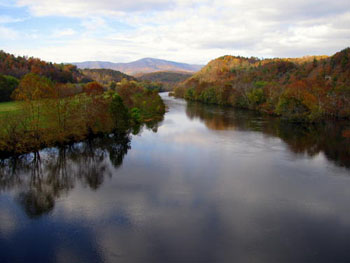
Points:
(165, 80)
(20, 66)
(13, 69)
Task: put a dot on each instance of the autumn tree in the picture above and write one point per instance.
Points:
(92, 88)
(35, 92)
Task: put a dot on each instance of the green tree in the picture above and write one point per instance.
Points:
(120, 114)
(113, 85)
(256, 97)
(7, 85)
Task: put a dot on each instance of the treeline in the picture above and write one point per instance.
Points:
(110, 79)
(18, 66)
(13, 69)
(53, 113)
(167, 80)
(306, 89)
(106, 77)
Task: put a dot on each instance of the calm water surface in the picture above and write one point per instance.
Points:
(209, 184)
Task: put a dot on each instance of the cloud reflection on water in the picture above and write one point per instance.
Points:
(190, 192)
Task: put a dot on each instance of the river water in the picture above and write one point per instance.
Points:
(208, 184)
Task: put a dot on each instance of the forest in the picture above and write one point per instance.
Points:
(167, 79)
(107, 77)
(308, 89)
(53, 104)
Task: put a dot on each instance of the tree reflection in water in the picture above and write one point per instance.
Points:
(310, 139)
(41, 178)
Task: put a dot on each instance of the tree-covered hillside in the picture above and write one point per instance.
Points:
(167, 78)
(299, 89)
(106, 76)
(18, 66)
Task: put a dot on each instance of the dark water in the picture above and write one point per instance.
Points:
(209, 185)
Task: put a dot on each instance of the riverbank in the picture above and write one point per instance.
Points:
(309, 89)
(30, 125)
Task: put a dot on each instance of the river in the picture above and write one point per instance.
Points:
(208, 184)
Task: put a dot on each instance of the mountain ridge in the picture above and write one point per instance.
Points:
(144, 65)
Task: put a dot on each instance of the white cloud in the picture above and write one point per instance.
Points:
(8, 33)
(93, 23)
(197, 31)
(8, 19)
(64, 32)
(88, 7)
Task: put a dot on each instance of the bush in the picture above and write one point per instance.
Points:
(256, 97)
(209, 96)
(7, 85)
(292, 109)
(189, 94)
(135, 114)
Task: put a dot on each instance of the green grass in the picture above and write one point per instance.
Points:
(11, 106)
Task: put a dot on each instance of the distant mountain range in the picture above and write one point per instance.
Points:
(145, 65)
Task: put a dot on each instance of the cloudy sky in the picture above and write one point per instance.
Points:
(193, 31)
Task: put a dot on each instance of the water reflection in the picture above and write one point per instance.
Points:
(41, 178)
(310, 139)
(212, 185)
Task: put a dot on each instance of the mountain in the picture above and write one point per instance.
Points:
(168, 79)
(145, 65)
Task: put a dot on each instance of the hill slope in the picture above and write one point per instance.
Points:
(168, 79)
(299, 89)
(105, 76)
(145, 65)
(18, 66)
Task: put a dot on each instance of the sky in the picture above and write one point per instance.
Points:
(187, 31)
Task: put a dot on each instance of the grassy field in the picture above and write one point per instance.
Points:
(11, 106)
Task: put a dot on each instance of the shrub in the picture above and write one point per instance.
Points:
(7, 85)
